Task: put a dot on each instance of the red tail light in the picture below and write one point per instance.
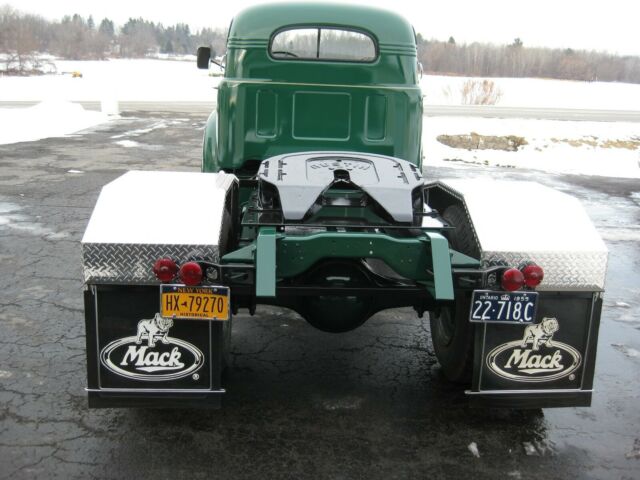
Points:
(512, 279)
(165, 269)
(533, 275)
(191, 273)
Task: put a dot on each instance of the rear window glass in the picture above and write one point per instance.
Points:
(323, 44)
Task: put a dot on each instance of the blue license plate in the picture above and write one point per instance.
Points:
(503, 307)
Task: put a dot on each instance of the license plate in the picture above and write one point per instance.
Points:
(504, 307)
(194, 303)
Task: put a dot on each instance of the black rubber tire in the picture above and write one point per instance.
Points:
(225, 243)
(462, 238)
(226, 345)
(451, 332)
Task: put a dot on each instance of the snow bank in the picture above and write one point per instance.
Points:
(538, 92)
(167, 80)
(583, 148)
(121, 80)
(47, 119)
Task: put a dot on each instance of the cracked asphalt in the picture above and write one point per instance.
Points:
(301, 403)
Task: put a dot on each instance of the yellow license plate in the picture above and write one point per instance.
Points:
(194, 303)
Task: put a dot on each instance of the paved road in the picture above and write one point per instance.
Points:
(575, 114)
(301, 404)
(486, 111)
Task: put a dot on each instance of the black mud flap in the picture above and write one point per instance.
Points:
(136, 358)
(549, 363)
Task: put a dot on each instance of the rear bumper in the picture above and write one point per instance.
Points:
(530, 399)
(146, 399)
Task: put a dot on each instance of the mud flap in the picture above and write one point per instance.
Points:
(136, 358)
(549, 363)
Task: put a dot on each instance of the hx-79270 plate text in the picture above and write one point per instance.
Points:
(194, 303)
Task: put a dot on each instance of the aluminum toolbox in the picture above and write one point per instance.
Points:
(134, 356)
(142, 216)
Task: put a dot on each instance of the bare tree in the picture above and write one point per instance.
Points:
(516, 60)
(21, 37)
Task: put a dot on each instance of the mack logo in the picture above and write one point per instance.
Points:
(535, 358)
(152, 355)
(152, 361)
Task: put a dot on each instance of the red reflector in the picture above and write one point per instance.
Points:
(512, 279)
(533, 275)
(191, 273)
(165, 269)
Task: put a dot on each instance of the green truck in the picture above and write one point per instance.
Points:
(312, 197)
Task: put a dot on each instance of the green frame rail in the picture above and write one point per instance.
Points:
(425, 259)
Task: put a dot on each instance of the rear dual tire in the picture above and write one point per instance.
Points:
(451, 332)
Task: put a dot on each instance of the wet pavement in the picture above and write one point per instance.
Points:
(301, 403)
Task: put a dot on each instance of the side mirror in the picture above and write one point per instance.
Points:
(204, 57)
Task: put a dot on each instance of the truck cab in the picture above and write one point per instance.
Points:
(305, 77)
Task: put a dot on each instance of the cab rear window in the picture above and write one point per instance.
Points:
(325, 44)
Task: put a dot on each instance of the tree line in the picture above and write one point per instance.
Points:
(516, 60)
(24, 36)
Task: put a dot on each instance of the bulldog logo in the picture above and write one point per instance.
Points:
(154, 328)
(142, 357)
(540, 334)
(536, 357)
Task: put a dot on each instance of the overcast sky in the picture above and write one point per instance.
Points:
(610, 25)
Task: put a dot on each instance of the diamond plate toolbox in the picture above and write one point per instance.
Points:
(132, 264)
(514, 222)
(563, 271)
(132, 226)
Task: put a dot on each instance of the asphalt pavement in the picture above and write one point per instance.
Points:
(301, 403)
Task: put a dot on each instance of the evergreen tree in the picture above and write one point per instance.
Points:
(106, 28)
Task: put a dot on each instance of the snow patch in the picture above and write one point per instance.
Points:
(127, 143)
(620, 234)
(539, 448)
(110, 106)
(51, 118)
(119, 79)
(473, 448)
(538, 92)
(12, 219)
(142, 131)
(628, 351)
(6, 207)
(545, 149)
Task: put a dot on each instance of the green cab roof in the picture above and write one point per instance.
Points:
(256, 25)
